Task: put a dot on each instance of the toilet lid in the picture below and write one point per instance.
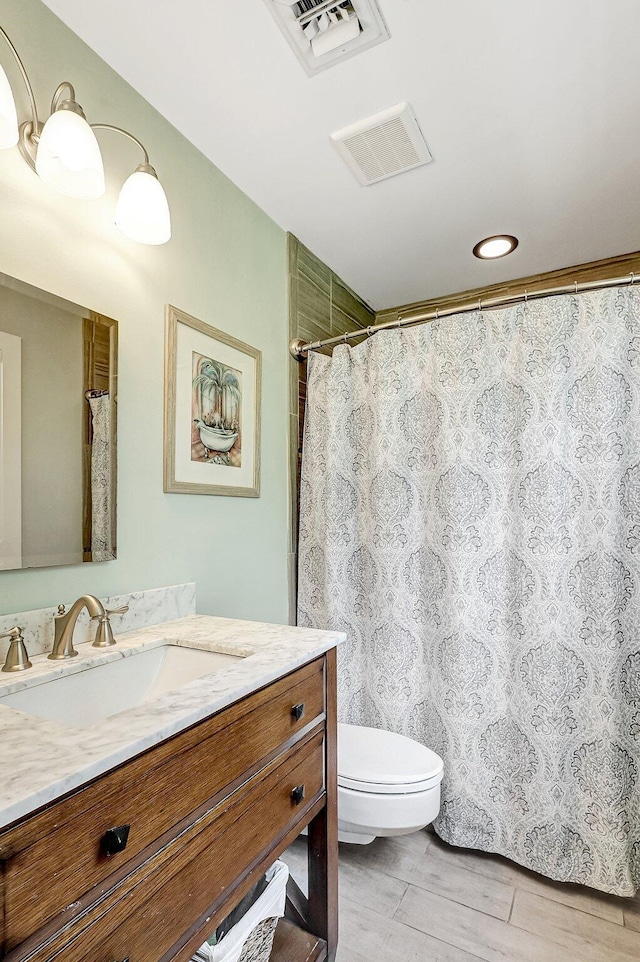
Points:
(370, 759)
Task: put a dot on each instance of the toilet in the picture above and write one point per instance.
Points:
(388, 784)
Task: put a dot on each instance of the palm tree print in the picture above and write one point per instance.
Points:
(217, 406)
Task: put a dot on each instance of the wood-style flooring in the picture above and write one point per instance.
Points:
(416, 899)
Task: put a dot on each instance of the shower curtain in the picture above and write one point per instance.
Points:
(470, 517)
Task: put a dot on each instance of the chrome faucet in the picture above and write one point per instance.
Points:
(65, 622)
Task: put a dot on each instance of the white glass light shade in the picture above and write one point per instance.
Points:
(69, 158)
(8, 116)
(142, 211)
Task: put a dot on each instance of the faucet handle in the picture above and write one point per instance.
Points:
(117, 611)
(104, 633)
(17, 658)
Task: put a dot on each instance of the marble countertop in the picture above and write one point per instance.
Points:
(41, 760)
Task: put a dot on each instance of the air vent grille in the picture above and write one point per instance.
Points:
(384, 145)
(324, 32)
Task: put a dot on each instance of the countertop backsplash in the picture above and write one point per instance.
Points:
(146, 608)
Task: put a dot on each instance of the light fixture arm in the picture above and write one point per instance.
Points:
(57, 100)
(125, 133)
(35, 123)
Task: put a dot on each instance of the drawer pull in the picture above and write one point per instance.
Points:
(297, 794)
(298, 711)
(115, 840)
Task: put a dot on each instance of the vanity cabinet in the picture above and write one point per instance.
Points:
(143, 862)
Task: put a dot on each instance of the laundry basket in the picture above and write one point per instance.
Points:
(251, 938)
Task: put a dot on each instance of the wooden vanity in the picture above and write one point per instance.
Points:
(208, 811)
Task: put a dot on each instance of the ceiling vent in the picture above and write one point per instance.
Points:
(324, 32)
(383, 145)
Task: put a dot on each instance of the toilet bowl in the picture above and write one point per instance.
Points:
(388, 784)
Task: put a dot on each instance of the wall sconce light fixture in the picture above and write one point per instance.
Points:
(64, 152)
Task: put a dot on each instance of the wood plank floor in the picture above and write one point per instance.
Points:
(416, 899)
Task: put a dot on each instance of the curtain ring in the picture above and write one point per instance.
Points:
(576, 288)
(344, 337)
(480, 304)
(399, 321)
(526, 296)
(437, 314)
(369, 331)
(633, 278)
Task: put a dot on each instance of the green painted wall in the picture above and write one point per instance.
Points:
(225, 264)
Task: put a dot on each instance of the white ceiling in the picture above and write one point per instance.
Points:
(529, 108)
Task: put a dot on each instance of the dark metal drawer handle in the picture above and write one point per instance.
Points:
(115, 840)
(297, 794)
(298, 711)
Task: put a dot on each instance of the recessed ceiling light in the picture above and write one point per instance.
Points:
(497, 246)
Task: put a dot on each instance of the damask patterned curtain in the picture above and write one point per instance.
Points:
(470, 516)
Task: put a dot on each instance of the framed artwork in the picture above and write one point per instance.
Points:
(211, 410)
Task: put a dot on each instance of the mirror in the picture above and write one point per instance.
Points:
(57, 430)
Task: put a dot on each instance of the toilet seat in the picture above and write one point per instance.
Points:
(380, 788)
(385, 763)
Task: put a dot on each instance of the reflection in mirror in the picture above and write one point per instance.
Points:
(57, 430)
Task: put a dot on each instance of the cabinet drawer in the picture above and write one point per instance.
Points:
(54, 858)
(200, 871)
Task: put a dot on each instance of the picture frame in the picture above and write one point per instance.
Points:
(212, 403)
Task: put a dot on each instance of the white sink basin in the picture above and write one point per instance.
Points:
(80, 700)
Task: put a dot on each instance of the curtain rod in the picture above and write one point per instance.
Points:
(298, 348)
